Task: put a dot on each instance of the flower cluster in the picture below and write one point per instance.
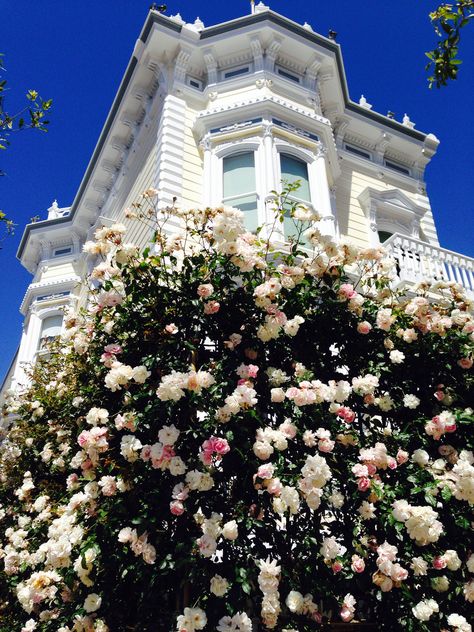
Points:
(220, 399)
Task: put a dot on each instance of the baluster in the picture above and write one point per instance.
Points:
(457, 271)
(465, 278)
(439, 260)
(449, 269)
(470, 277)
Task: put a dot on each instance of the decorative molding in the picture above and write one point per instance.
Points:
(257, 52)
(181, 63)
(271, 53)
(267, 100)
(56, 285)
(211, 66)
(391, 210)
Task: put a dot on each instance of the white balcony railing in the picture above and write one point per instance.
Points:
(417, 261)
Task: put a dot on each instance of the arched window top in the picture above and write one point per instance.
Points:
(298, 152)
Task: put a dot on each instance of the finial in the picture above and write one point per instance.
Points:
(408, 122)
(332, 34)
(252, 7)
(364, 103)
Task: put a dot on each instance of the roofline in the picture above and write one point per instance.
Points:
(326, 43)
(154, 17)
(42, 224)
(151, 19)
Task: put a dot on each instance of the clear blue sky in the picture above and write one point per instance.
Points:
(76, 53)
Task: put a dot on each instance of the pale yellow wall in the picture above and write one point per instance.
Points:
(142, 177)
(351, 217)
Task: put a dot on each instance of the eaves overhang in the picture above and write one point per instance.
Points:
(152, 18)
(280, 20)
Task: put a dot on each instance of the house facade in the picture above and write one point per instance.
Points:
(223, 114)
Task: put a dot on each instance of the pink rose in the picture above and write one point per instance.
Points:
(371, 469)
(360, 470)
(176, 508)
(364, 327)
(83, 438)
(211, 307)
(392, 463)
(347, 291)
(439, 563)
(336, 567)
(465, 363)
(358, 565)
(266, 470)
(146, 453)
(402, 456)
(363, 484)
(171, 329)
(115, 349)
(326, 445)
(205, 290)
(346, 614)
(221, 446)
(252, 370)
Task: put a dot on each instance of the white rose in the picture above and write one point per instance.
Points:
(230, 530)
(277, 395)
(263, 450)
(295, 601)
(440, 584)
(420, 457)
(219, 585)
(92, 602)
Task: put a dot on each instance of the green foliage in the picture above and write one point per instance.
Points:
(275, 306)
(448, 20)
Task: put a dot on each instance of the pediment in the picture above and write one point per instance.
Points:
(392, 202)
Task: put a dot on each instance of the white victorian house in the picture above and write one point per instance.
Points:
(223, 114)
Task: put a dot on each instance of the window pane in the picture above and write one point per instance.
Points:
(239, 174)
(51, 326)
(293, 169)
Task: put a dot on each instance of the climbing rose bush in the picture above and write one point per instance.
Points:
(240, 434)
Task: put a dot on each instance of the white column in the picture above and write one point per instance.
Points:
(28, 347)
(270, 184)
(320, 193)
(207, 171)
